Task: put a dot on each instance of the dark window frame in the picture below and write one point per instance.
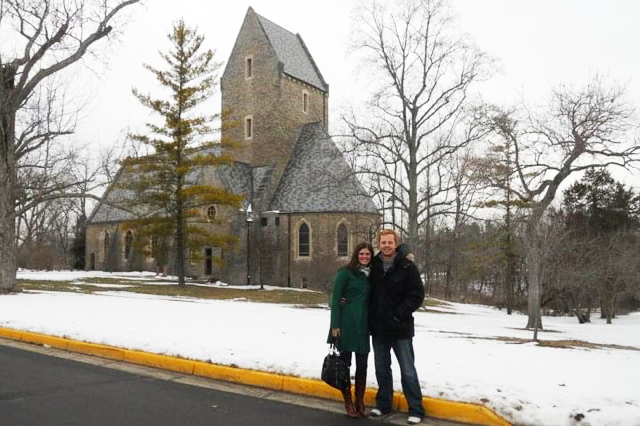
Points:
(342, 240)
(304, 240)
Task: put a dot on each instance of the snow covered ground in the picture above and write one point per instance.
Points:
(458, 353)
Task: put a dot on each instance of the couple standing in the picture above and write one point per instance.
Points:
(378, 294)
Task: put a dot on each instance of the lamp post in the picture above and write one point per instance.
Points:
(249, 221)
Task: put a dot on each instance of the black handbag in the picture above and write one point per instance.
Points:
(335, 371)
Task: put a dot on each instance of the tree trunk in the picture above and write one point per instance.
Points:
(510, 257)
(7, 184)
(534, 259)
(533, 306)
(180, 238)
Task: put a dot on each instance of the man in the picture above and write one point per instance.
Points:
(396, 292)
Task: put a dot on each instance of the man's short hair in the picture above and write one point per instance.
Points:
(388, 232)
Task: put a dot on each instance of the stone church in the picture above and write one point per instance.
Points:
(304, 210)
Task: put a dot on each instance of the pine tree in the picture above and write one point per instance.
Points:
(500, 175)
(169, 195)
(604, 216)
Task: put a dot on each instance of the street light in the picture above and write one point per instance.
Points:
(249, 221)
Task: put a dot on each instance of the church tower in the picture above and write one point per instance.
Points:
(271, 88)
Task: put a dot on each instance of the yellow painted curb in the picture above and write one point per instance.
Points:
(8, 333)
(98, 350)
(301, 386)
(230, 374)
(462, 412)
(160, 361)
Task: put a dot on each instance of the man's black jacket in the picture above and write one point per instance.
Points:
(395, 295)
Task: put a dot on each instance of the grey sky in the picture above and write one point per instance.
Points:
(538, 44)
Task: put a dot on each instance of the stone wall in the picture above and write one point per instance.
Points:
(278, 262)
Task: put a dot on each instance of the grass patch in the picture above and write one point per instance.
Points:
(222, 293)
(105, 280)
(284, 296)
(435, 303)
(429, 304)
(62, 286)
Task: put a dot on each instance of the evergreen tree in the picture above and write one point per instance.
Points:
(169, 194)
(602, 217)
(500, 175)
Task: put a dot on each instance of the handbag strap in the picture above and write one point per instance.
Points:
(333, 348)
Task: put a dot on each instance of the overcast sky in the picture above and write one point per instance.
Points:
(538, 44)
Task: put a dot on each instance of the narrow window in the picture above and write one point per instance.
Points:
(128, 243)
(263, 221)
(211, 213)
(248, 127)
(305, 102)
(277, 221)
(343, 240)
(105, 245)
(303, 240)
(248, 68)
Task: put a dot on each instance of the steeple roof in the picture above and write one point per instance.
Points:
(293, 53)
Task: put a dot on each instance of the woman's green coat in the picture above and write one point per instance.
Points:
(353, 318)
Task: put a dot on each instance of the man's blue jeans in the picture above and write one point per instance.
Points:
(403, 348)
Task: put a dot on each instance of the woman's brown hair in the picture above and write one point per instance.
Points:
(354, 263)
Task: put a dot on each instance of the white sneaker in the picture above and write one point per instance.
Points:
(414, 420)
(375, 413)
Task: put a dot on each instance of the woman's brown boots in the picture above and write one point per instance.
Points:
(361, 386)
(348, 403)
(358, 409)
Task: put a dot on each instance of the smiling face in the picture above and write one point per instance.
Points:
(388, 245)
(364, 257)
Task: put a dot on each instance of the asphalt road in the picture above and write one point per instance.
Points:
(37, 389)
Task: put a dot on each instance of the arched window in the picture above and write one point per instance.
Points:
(303, 240)
(105, 244)
(128, 244)
(212, 212)
(342, 236)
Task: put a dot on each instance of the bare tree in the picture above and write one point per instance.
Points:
(423, 72)
(50, 36)
(580, 128)
(466, 189)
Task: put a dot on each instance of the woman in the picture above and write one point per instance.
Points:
(350, 322)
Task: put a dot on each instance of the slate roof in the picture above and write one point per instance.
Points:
(318, 178)
(236, 178)
(293, 53)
